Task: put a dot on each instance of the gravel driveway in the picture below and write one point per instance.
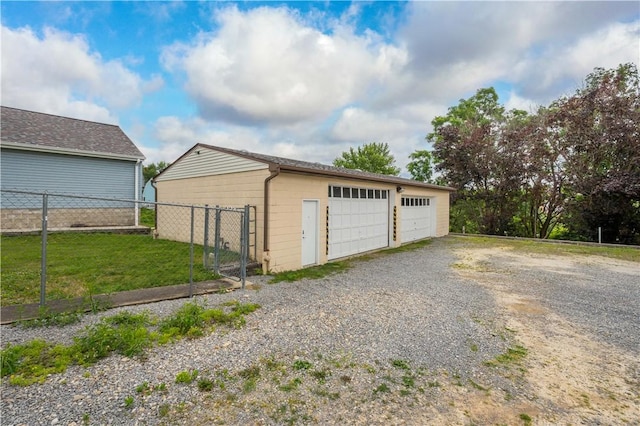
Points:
(405, 338)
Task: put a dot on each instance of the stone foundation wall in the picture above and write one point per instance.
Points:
(31, 219)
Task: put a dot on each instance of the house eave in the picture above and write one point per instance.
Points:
(80, 153)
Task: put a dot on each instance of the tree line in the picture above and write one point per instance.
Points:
(563, 171)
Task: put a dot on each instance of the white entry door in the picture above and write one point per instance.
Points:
(309, 232)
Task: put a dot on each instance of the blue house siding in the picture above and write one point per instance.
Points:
(66, 174)
(149, 192)
(69, 174)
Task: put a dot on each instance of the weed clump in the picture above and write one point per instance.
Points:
(194, 320)
(205, 385)
(49, 319)
(513, 355)
(32, 362)
(400, 364)
(187, 377)
(301, 364)
(188, 321)
(124, 333)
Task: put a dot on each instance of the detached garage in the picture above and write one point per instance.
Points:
(307, 213)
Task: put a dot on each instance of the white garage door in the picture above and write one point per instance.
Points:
(416, 218)
(358, 220)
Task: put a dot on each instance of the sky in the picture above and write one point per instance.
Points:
(302, 80)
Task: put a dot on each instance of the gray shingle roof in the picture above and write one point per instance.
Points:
(39, 130)
(323, 169)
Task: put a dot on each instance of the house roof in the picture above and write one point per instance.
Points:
(37, 131)
(299, 166)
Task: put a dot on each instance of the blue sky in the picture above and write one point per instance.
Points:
(304, 80)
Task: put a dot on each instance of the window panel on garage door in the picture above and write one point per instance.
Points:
(358, 220)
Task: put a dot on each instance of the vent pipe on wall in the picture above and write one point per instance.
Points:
(266, 256)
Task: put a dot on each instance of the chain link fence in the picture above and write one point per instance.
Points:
(227, 232)
(62, 246)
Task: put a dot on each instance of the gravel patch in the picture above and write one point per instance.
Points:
(601, 300)
(389, 329)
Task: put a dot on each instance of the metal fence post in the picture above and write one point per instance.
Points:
(205, 248)
(43, 265)
(191, 253)
(216, 243)
(599, 234)
(244, 245)
(255, 232)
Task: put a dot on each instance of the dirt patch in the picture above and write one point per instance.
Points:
(575, 378)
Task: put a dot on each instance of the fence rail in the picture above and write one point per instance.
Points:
(59, 246)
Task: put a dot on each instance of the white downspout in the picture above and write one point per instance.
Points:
(137, 195)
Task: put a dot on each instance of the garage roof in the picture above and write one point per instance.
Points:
(286, 164)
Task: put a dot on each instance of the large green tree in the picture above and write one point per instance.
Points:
(372, 157)
(151, 170)
(544, 185)
(420, 165)
(474, 145)
(601, 138)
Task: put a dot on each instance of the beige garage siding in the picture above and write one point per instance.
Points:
(203, 162)
(288, 191)
(230, 190)
(285, 228)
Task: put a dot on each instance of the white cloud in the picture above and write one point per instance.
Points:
(360, 126)
(58, 73)
(518, 102)
(267, 65)
(544, 48)
(404, 128)
(309, 85)
(176, 135)
(558, 70)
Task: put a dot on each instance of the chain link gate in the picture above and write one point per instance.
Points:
(228, 238)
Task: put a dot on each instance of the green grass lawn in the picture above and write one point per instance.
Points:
(544, 247)
(148, 217)
(80, 265)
